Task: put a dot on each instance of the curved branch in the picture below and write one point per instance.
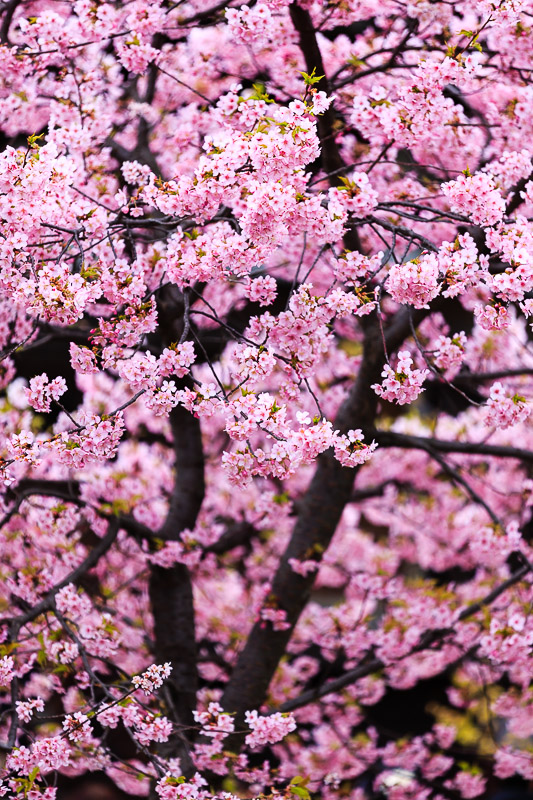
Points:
(318, 515)
(90, 561)
(375, 664)
(402, 440)
(332, 163)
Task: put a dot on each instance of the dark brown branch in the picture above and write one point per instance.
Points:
(332, 162)
(405, 233)
(515, 197)
(464, 378)
(459, 480)
(358, 495)
(90, 561)
(392, 439)
(63, 490)
(9, 10)
(400, 49)
(67, 490)
(235, 535)
(319, 513)
(171, 594)
(202, 16)
(303, 24)
(188, 493)
(375, 664)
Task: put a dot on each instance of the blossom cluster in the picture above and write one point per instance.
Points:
(477, 197)
(504, 411)
(449, 353)
(43, 391)
(402, 385)
(207, 257)
(415, 282)
(152, 678)
(268, 730)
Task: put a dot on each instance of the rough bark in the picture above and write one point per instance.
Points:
(171, 591)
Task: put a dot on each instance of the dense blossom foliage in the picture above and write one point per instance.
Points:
(266, 300)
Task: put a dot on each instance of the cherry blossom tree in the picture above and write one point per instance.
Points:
(266, 279)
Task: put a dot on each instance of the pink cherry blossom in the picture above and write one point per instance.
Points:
(152, 678)
(235, 560)
(42, 391)
(415, 282)
(504, 410)
(268, 730)
(402, 385)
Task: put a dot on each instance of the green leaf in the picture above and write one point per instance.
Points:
(34, 139)
(311, 79)
(260, 93)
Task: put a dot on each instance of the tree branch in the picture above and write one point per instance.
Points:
(171, 594)
(402, 440)
(9, 10)
(90, 561)
(332, 162)
(375, 664)
(320, 510)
